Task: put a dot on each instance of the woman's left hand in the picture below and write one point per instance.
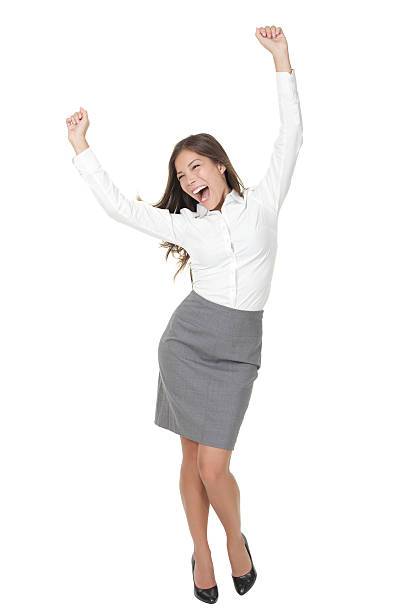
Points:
(272, 38)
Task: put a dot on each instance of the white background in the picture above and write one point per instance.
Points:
(91, 515)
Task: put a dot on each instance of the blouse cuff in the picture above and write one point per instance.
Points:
(86, 162)
(286, 84)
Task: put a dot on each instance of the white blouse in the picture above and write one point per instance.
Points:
(232, 251)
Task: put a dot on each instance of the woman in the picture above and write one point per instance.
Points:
(210, 352)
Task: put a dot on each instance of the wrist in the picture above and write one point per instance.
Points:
(79, 144)
(280, 53)
(282, 61)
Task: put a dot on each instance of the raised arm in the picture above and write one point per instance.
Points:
(143, 216)
(274, 185)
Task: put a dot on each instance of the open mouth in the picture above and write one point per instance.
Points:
(203, 194)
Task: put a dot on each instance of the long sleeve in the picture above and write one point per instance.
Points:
(143, 216)
(274, 186)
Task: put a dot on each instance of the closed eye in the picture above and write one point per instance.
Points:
(195, 166)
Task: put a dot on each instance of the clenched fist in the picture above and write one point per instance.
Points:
(272, 38)
(77, 125)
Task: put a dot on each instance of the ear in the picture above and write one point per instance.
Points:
(221, 168)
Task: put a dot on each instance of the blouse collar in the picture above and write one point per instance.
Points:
(233, 196)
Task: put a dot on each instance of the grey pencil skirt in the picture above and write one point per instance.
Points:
(209, 356)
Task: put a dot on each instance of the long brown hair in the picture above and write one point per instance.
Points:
(174, 198)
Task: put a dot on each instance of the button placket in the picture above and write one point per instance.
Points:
(232, 260)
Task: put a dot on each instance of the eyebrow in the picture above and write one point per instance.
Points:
(197, 159)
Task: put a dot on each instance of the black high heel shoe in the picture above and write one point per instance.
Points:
(243, 583)
(207, 595)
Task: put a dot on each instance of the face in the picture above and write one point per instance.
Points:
(194, 170)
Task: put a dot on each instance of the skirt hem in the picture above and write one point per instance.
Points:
(180, 433)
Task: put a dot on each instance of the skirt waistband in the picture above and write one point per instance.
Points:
(217, 306)
(223, 320)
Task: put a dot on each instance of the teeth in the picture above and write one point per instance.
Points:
(199, 188)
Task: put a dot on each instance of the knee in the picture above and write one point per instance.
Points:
(211, 472)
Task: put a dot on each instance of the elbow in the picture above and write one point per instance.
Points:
(296, 136)
(301, 138)
(293, 132)
(300, 129)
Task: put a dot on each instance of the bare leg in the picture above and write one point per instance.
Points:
(224, 495)
(196, 506)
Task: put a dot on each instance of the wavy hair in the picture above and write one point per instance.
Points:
(174, 198)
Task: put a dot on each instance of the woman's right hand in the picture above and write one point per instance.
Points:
(77, 125)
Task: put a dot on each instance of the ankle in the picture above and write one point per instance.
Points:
(234, 540)
(201, 549)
